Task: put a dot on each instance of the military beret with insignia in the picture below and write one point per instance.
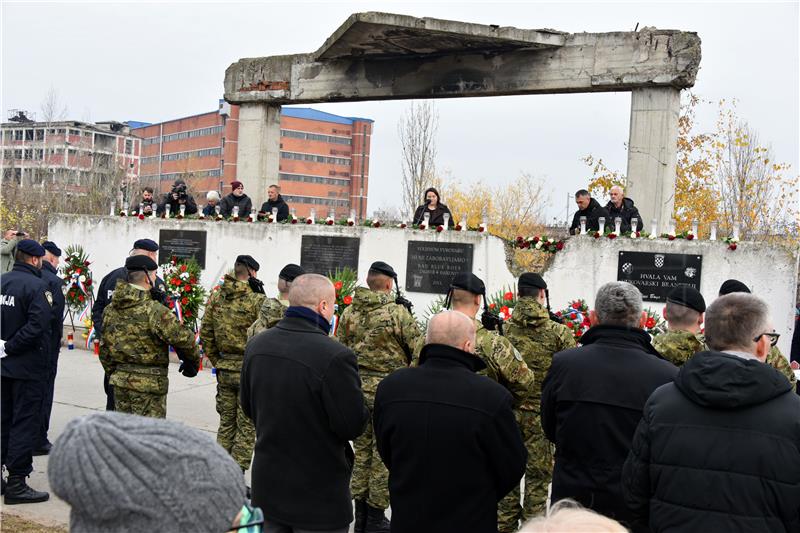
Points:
(687, 297)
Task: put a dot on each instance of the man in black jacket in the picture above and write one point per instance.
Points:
(622, 207)
(179, 195)
(587, 207)
(592, 400)
(236, 199)
(275, 201)
(302, 390)
(448, 436)
(719, 449)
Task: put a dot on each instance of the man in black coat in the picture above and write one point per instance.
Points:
(25, 325)
(447, 436)
(592, 400)
(105, 292)
(237, 198)
(56, 287)
(719, 449)
(179, 195)
(275, 201)
(302, 390)
(622, 207)
(587, 207)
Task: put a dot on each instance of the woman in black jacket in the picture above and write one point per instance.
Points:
(436, 209)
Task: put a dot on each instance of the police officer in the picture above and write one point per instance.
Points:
(383, 334)
(146, 247)
(537, 337)
(56, 287)
(684, 313)
(137, 333)
(25, 327)
(273, 309)
(229, 312)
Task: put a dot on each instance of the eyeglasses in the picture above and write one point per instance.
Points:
(773, 338)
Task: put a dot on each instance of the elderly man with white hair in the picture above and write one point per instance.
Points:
(622, 207)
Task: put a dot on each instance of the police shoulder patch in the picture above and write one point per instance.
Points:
(49, 296)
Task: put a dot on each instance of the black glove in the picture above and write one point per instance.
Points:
(492, 322)
(256, 285)
(189, 369)
(405, 302)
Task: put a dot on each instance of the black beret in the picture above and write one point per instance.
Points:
(140, 262)
(732, 285)
(30, 247)
(383, 268)
(248, 261)
(51, 247)
(469, 282)
(291, 271)
(532, 279)
(146, 244)
(687, 297)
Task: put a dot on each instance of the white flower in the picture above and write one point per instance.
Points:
(82, 278)
(184, 275)
(539, 245)
(633, 235)
(551, 240)
(652, 236)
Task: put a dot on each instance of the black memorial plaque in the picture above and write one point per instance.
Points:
(656, 274)
(323, 255)
(431, 265)
(182, 244)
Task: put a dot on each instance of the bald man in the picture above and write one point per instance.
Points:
(302, 390)
(447, 435)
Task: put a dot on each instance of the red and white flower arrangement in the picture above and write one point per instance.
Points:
(185, 293)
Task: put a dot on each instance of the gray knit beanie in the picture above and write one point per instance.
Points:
(123, 472)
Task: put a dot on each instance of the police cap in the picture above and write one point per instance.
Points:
(532, 280)
(383, 268)
(146, 244)
(291, 271)
(467, 281)
(140, 263)
(687, 297)
(51, 247)
(732, 285)
(248, 261)
(30, 247)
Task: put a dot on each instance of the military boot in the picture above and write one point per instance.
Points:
(376, 521)
(18, 491)
(361, 516)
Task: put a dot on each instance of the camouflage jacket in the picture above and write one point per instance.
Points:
(137, 333)
(272, 311)
(382, 333)
(229, 312)
(537, 338)
(776, 360)
(504, 363)
(678, 346)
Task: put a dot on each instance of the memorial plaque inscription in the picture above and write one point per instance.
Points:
(431, 265)
(323, 255)
(655, 274)
(182, 244)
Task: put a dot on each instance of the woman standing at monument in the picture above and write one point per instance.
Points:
(435, 208)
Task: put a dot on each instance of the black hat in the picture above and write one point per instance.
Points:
(291, 271)
(732, 285)
(469, 282)
(532, 279)
(51, 247)
(140, 262)
(248, 261)
(146, 244)
(687, 297)
(383, 268)
(30, 247)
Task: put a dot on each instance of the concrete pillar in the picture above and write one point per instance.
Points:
(258, 153)
(652, 152)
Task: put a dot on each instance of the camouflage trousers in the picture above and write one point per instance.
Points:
(370, 479)
(140, 403)
(538, 473)
(236, 431)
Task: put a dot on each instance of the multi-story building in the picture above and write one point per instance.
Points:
(324, 158)
(67, 152)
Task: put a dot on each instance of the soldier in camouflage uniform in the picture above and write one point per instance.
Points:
(537, 337)
(382, 334)
(684, 315)
(137, 333)
(273, 309)
(228, 314)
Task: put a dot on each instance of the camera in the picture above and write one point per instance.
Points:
(179, 191)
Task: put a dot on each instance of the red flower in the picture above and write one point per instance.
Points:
(308, 221)
(519, 239)
(651, 323)
(560, 245)
(81, 298)
(77, 270)
(509, 296)
(376, 224)
(671, 237)
(171, 304)
(86, 263)
(294, 221)
(576, 305)
(183, 268)
(612, 236)
(558, 313)
(350, 222)
(338, 285)
(141, 217)
(586, 322)
(596, 234)
(439, 228)
(175, 281)
(187, 313)
(187, 288)
(578, 333)
(422, 226)
(347, 300)
(481, 229)
(458, 227)
(88, 282)
(689, 237)
(184, 300)
(535, 239)
(192, 280)
(732, 246)
(504, 310)
(492, 305)
(570, 325)
(329, 222)
(573, 316)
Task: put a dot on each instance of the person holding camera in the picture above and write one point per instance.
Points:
(147, 204)
(176, 197)
(237, 198)
(8, 248)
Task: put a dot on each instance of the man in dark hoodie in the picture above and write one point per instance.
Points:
(719, 449)
(587, 207)
(275, 201)
(622, 207)
(237, 198)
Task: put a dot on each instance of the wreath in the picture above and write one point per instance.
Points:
(184, 292)
(77, 278)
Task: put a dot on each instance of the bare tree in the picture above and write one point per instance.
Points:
(52, 109)
(417, 131)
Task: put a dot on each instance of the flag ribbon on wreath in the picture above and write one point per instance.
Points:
(90, 338)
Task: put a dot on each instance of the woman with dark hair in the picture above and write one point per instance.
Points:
(435, 208)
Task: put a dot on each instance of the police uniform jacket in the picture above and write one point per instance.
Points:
(25, 323)
(106, 291)
(55, 285)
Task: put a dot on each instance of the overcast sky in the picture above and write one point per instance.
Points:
(158, 61)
